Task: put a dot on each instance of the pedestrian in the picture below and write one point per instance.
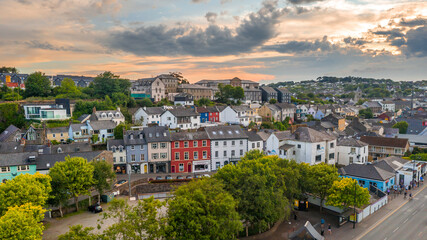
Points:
(322, 222)
(329, 229)
(404, 197)
(388, 191)
(322, 232)
(409, 188)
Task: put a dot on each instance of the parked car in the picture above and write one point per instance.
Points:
(197, 176)
(159, 178)
(189, 177)
(179, 177)
(120, 183)
(95, 208)
(168, 177)
(206, 175)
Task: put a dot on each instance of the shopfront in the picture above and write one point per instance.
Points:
(201, 166)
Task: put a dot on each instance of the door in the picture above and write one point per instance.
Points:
(145, 168)
(189, 168)
(173, 169)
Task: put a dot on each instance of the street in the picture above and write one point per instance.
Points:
(408, 222)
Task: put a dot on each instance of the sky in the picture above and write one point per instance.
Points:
(266, 41)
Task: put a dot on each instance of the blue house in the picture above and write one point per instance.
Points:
(369, 174)
(136, 150)
(204, 114)
(319, 115)
(14, 164)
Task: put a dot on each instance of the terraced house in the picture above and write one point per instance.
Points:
(158, 143)
(381, 147)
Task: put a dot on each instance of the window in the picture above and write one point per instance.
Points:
(216, 144)
(186, 155)
(373, 149)
(176, 144)
(253, 145)
(114, 149)
(141, 147)
(225, 143)
(155, 156)
(24, 168)
(382, 149)
(232, 153)
(62, 134)
(121, 159)
(204, 143)
(205, 154)
(362, 182)
(53, 135)
(181, 167)
(332, 145)
(225, 153)
(331, 155)
(196, 155)
(318, 146)
(216, 154)
(258, 144)
(163, 155)
(194, 143)
(176, 156)
(186, 144)
(132, 157)
(353, 150)
(241, 152)
(241, 142)
(121, 149)
(217, 165)
(5, 169)
(318, 158)
(162, 145)
(154, 146)
(398, 151)
(233, 143)
(142, 157)
(132, 147)
(114, 159)
(350, 160)
(299, 145)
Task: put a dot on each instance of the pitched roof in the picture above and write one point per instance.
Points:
(73, 147)
(99, 125)
(11, 147)
(136, 138)
(283, 135)
(57, 130)
(193, 86)
(268, 89)
(226, 132)
(16, 159)
(183, 112)
(264, 135)
(351, 142)
(305, 134)
(285, 105)
(368, 171)
(189, 136)
(83, 117)
(157, 134)
(283, 90)
(253, 136)
(391, 163)
(386, 142)
(46, 161)
(115, 142)
(9, 131)
(76, 127)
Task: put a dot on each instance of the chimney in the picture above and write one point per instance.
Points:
(94, 109)
(145, 108)
(118, 109)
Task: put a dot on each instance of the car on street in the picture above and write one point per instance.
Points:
(95, 208)
(197, 176)
(168, 177)
(120, 183)
(159, 178)
(206, 175)
(179, 177)
(189, 177)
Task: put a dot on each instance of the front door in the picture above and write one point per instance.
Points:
(145, 168)
(173, 169)
(189, 168)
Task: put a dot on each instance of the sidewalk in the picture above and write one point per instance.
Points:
(346, 231)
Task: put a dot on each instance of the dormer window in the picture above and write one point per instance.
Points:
(117, 115)
(157, 134)
(113, 149)
(150, 135)
(140, 136)
(59, 150)
(164, 134)
(110, 115)
(103, 115)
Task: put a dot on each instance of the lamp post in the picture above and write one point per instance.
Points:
(129, 173)
(413, 174)
(354, 206)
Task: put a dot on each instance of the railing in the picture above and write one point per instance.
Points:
(377, 192)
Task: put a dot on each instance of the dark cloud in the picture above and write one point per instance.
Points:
(398, 42)
(49, 46)
(355, 41)
(391, 34)
(303, 1)
(211, 17)
(303, 46)
(413, 22)
(199, 1)
(417, 42)
(253, 31)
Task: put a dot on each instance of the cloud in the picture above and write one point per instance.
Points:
(199, 1)
(303, 1)
(413, 22)
(48, 46)
(355, 41)
(253, 31)
(211, 17)
(303, 46)
(416, 42)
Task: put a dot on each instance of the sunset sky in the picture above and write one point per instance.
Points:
(264, 41)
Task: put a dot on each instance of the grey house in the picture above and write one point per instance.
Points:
(268, 93)
(136, 151)
(283, 95)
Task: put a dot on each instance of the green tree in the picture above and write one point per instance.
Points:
(238, 93)
(347, 192)
(37, 85)
(419, 156)
(118, 131)
(105, 84)
(24, 188)
(402, 126)
(366, 113)
(76, 175)
(11, 113)
(120, 99)
(205, 208)
(253, 154)
(272, 101)
(142, 221)
(77, 232)
(203, 102)
(252, 125)
(103, 176)
(8, 70)
(145, 102)
(322, 176)
(68, 86)
(22, 222)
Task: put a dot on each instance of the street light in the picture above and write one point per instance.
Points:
(129, 172)
(413, 175)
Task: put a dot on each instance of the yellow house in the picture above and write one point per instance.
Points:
(59, 134)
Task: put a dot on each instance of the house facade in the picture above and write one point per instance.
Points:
(136, 150)
(197, 91)
(14, 164)
(381, 147)
(229, 115)
(159, 148)
(148, 116)
(283, 95)
(118, 149)
(152, 88)
(182, 118)
(350, 150)
(268, 93)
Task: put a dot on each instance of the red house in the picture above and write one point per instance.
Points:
(190, 152)
(213, 114)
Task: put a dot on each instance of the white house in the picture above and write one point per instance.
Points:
(387, 106)
(229, 115)
(146, 116)
(243, 114)
(117, 147)
(109, 115)
(350, 150)
(313, 147)
(44, 112)
(182, 118)
(228, 145)
(311, 111)
(104, 130)
(255, 141)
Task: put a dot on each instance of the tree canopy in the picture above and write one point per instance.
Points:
(103, 176)
(347, 192)
(227, 92)
(11, 113)
(22, 222)
(37, 85)
(402, 126)
(322, 176)
(108, 83)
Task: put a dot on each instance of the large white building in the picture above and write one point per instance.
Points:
(182, 118)
(146, 116)
(350, 150)
(229, 115)
(228, 145)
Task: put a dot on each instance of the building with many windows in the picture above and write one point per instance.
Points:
(381, 147)
(158, 144)
(118, 148)
(136, 150)
(351, 150)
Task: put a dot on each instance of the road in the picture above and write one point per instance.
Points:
(407, 222)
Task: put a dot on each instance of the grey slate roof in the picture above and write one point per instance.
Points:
(225, 132)
(154, 110)
(305, 134)
(268, 89)
(76, 127)
(283, 90)
(385, 142)
(285, 105)
(241, 108)
(73, 147)
(253, 136)
(368, 171)
(351, 142)
(391, 163)
(286, 147)
(46, 161)
(264, 135)
(83, 117)
(11, 147)
(16, 159)
(183, 112)
(57, 130)
(157, 134)
(283, 135)
(9, 131)
(136, 140)
(98, 125)
(189, 136)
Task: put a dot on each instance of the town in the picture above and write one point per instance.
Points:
(287, 160)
